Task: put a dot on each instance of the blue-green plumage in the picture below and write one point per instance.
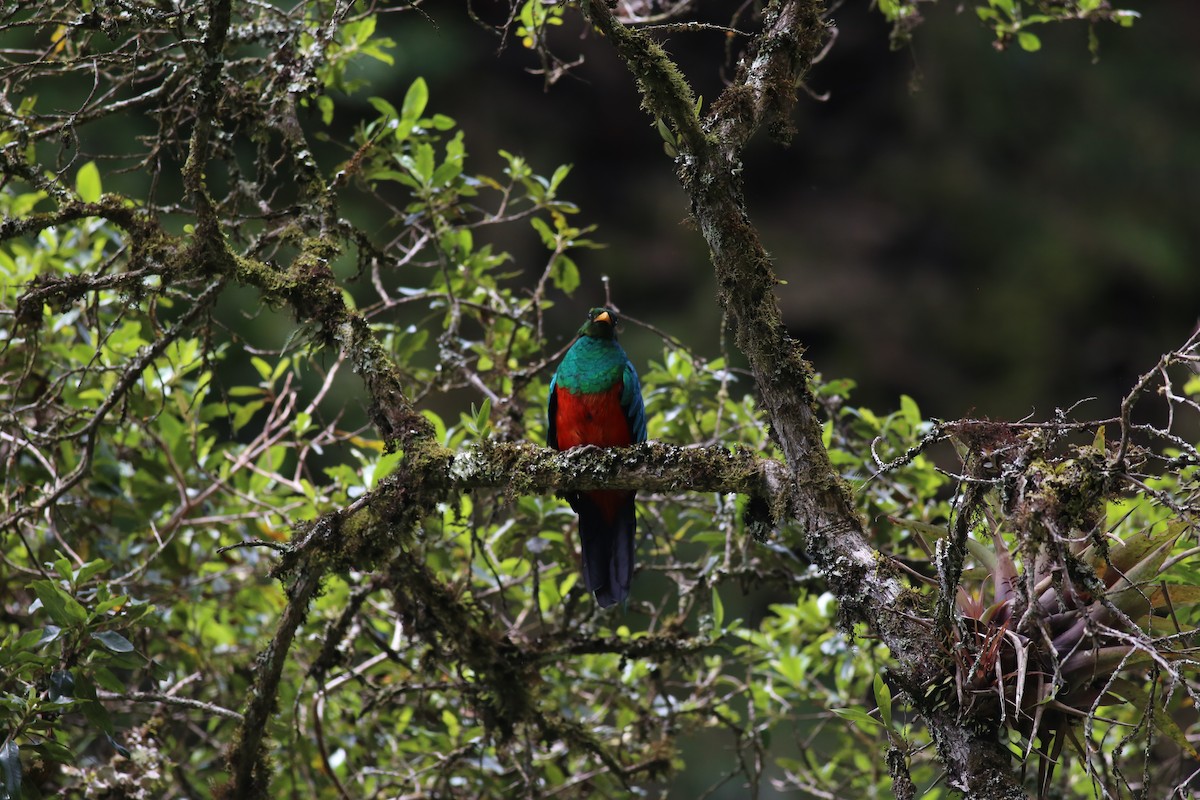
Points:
(596, 399)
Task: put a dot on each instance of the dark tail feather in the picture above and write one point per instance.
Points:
(607, 530)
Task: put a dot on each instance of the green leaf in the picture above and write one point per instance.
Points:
(48, 634)
(385, 109)
(325, 106)
(113, 641)
(665, 132)
(483, 415)
(446, 172)
(1029, 42)
(383, 467)
(63, 567)
(90, 569)
(1125, 17)
(360, 31)
(245, 413)
(883, 697)
(869, 417)
(62, 685)
(986, 556)
(547, 236)
(859, 717)
(564, 274)
(421, 166)
(105, 677)
(439, 427)
(376, 51)
(910, 410)
(415, 100)
(104, 606)
(718, 609)
(62, 607)
(87, 183)
(120, 748)
(451, 722)
(28, 640)
(1126, 592)
(558, 176)
(54, 751)
(261, 367)
(1179, 596)
(97, 715)
(1126, 554)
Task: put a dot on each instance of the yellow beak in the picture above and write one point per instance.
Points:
(602, 317)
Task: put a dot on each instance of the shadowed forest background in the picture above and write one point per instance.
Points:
(993, 233)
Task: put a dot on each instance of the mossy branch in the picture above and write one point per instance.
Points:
(665, 92)
(764, 90)
(247, 755)
(116, 209)
(521, 468)
(352, 537)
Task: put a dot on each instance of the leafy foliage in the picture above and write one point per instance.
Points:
(1015, 20)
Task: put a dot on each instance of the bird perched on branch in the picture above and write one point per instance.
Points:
(596, 399)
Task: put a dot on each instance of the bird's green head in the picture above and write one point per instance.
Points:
(601, 324)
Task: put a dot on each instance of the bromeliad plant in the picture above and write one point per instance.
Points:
(1064, 628)
(1084, 641)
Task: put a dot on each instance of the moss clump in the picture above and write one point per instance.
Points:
(1064, 495)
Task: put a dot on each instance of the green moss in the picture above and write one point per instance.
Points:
(1066, 494)
(665, 92)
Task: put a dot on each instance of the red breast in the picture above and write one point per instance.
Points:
(591, 419)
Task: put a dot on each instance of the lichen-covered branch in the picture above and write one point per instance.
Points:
(520, 468)
(523, 468)
(247, 759)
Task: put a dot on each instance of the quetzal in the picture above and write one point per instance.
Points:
(595, 398)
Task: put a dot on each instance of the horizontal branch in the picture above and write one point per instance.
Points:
(114, 208)
(211, 709)
(363, 532)
(523, 468)
(434, 474)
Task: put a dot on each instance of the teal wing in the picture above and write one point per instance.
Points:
(551, 408)
(631, 402)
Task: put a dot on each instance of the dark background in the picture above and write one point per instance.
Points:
(993, 233)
